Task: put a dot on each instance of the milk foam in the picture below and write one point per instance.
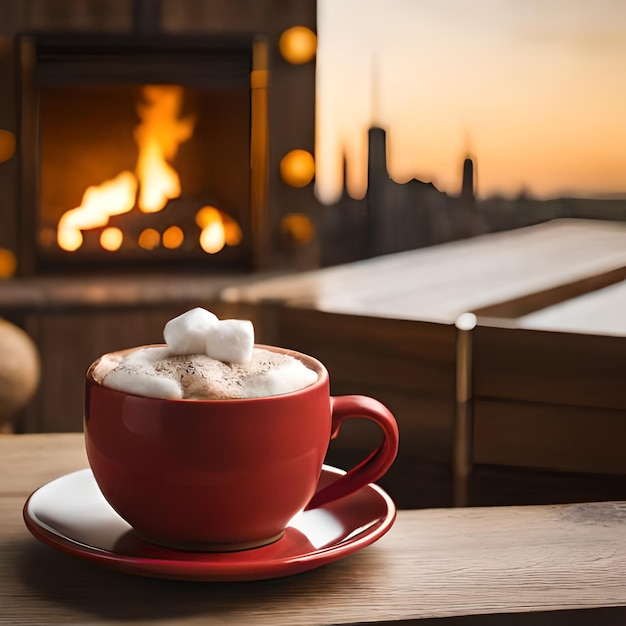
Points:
(159, 373)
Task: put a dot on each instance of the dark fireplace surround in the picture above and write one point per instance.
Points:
(79, 97)
(73, 75)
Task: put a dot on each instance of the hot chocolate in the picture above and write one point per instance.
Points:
(204, 359)
(158, 372)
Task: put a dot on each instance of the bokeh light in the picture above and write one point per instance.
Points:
(298, 45)
(232, 232)
(218, 229)
(7, 145)
(298, 228)
(8, 263)
(297, 168)
(206, 215)
(173, 238)
(149, 239)
(111, 239)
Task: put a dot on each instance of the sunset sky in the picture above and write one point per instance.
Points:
(534, 90)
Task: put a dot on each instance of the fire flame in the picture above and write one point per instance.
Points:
(158, 136)
(113, 197)
(218, 229)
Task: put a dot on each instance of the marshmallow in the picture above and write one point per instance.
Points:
(286, 374)
(146, 356)
(143, 383)
(230, 341)
(200, 377)
(141, 358)
(186, 334)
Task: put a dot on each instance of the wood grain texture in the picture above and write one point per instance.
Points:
(27, 462)
(527, 304)
(441, 282)
(73, 15)
(69, 341)
(435, 563)
(407, 365)
(272, 16)
(394, 353)
(497, 485)
(599, 312)
(549, 436)
(552, 367)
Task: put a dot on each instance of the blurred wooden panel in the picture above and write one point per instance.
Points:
(441, 282)
(549, 436)
(421, 474)
(425, 422)
(8, 169)
(409, 366)
(399, 354)
(271, 16)
(531, 302)
(491, 485)
(72, 15)
(541, 366)
(69, 342)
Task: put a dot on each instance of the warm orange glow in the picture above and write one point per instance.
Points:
(298, 45)
(570, 140)
(5, 46)
(111, 239)
(206, 215)
(212, 237)
(158, 137)
(149, 239)
(173, 238)
(113, 197)
(7, 145)
(8, 263)
(298, 227)
(47, 237)
(297, 168)
(218, 229)
(232, 232)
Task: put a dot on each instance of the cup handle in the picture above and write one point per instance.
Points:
(377, 463)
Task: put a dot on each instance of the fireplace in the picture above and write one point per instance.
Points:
(140, 152)
(83, 84)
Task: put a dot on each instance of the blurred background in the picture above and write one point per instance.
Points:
(353, 176)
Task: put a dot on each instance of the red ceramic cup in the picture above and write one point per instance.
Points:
(224, 474)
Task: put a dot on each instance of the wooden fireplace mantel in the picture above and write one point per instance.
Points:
(23, 296)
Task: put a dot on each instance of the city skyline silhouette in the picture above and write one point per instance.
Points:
(534, 91)
(393, 217)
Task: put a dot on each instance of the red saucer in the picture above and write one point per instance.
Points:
(71, 514)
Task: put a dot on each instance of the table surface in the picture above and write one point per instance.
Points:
(441, 282)
(601, 312)
(500, 562)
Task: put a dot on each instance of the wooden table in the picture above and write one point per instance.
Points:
(563, 564)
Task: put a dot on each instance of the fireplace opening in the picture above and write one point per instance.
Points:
(140, 153)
